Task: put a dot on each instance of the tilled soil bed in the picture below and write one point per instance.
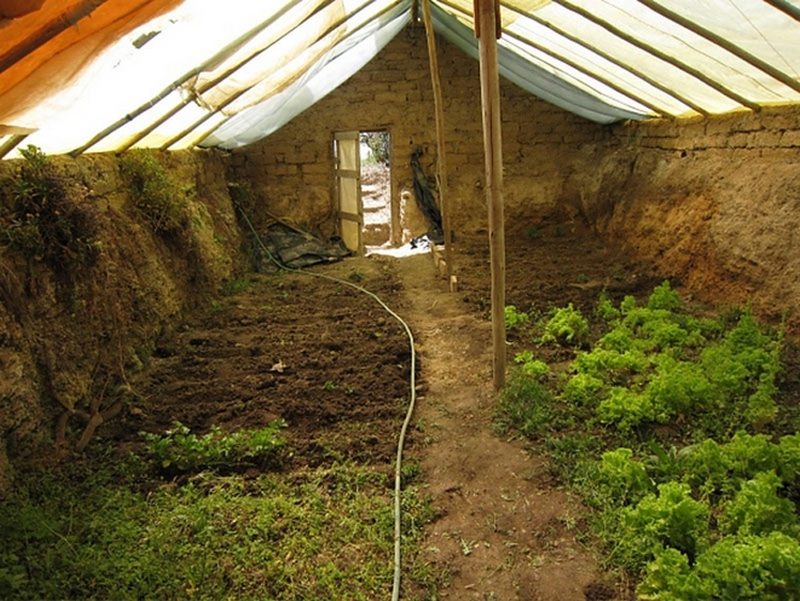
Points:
(324, 358)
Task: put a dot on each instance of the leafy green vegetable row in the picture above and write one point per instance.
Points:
(713, 516)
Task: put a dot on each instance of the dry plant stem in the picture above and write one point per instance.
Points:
(61, 431)
(95, 420)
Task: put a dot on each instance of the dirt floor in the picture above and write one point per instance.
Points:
(335, 366)
(507, 531)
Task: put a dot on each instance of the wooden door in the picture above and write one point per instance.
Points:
(348, 188)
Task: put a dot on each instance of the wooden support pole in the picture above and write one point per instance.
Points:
(487, 29)
(441, 155)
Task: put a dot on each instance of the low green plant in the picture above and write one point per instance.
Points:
(180, 450)
(526, 404)
(584, 389)
(566, 326)
(670, 518)
(719, 469)
(106, 532)
(747, 568)
(157, 195)
(236, 286)
(623, 480)
(514, 318)
(758, 509)
(714, 519)
(531, 366)
(605, 308)
(664, 297)
(355, 276)
(658, 364)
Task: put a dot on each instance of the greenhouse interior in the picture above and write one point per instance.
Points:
(400, 299)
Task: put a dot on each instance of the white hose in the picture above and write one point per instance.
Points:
(411, 403)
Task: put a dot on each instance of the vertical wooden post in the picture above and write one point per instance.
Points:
(487, 29)
(441, 157)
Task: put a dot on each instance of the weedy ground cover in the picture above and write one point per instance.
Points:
(668, 426)
(48, 216)
(110, 529)
(158, 196)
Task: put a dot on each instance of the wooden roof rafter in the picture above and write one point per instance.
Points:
(330, 32)
(633, 96)
(660, 54)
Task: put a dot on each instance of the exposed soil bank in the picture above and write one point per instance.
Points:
(69, 341)
(714, 203)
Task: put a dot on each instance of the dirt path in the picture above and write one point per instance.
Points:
(504, 531)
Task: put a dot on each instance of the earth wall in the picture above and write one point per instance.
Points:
(714, 203)
(71, 338)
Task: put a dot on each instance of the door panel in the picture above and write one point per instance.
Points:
(348, 188)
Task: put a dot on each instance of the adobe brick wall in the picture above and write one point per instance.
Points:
(292, 169)
(773, 129)
(714, 202)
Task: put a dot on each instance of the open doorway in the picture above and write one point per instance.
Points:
(376, 189)
(363, 188)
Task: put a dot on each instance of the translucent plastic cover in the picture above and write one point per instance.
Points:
(88, 76)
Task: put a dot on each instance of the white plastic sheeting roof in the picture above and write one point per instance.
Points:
(226, 76)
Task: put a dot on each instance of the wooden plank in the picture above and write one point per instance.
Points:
(487, 20)
(351, 216)
(453, 283)
(441, 154)
(349, 173)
